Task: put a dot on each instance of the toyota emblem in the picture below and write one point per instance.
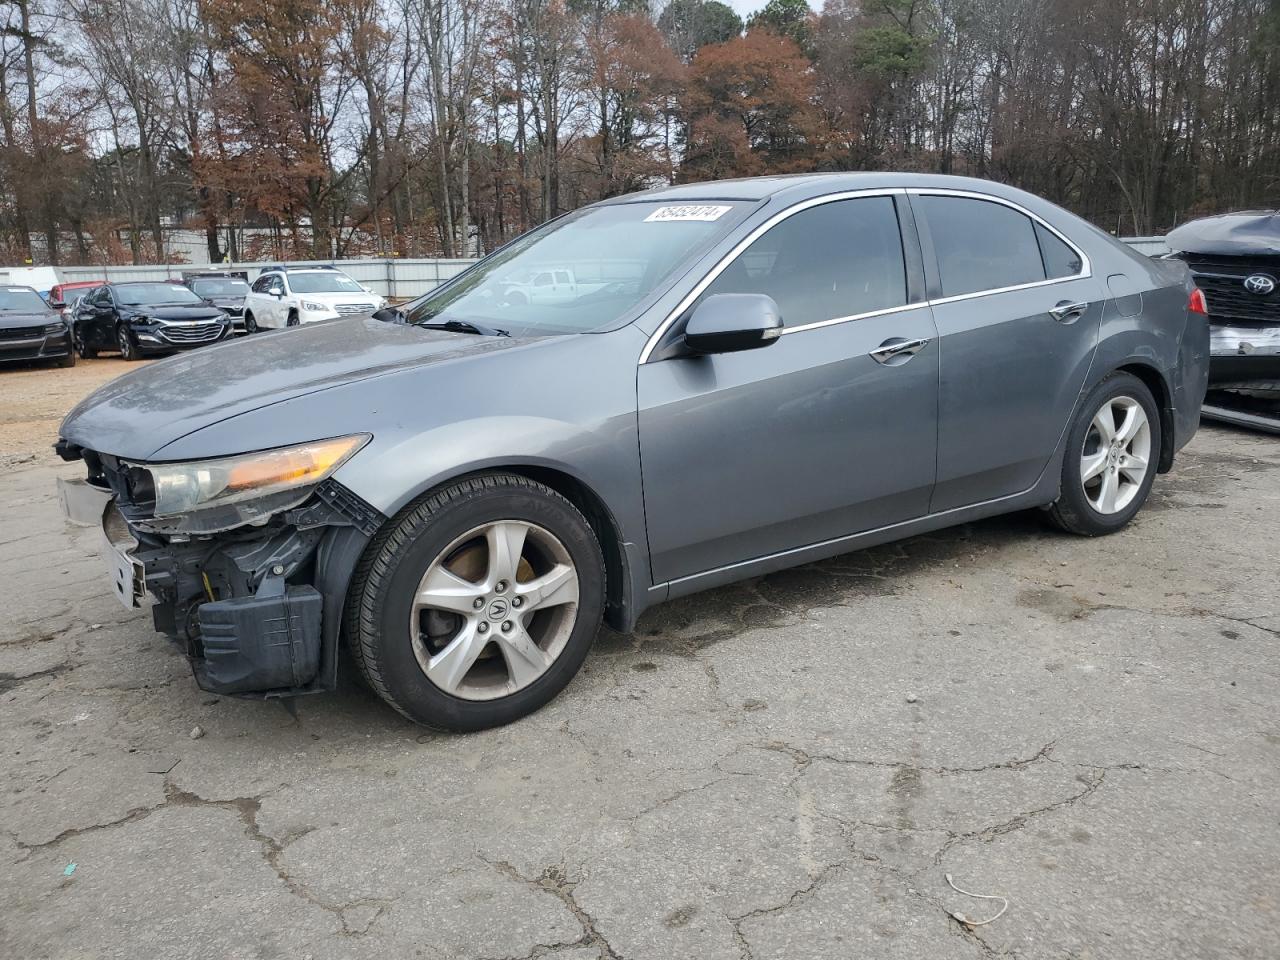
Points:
(1260, 284)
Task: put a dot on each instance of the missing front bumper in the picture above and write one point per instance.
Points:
(257, 609)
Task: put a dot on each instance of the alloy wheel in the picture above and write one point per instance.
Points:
(1116, 455)
(126, 345)
(494, 610)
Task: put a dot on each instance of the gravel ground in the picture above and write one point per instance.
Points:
(785, 768)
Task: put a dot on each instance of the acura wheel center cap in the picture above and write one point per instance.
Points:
(498, 609)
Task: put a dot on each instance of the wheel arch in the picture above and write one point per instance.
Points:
(1155, 382)
(620, 593)
(605, 526)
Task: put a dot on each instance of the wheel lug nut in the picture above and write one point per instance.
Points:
(506, 626)
(483, 628)
(517, 601)
(502, 586)
(478, 602)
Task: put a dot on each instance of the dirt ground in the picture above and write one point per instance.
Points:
(784, 769)
(35, 397)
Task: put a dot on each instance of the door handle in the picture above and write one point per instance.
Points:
(898, 349)
(1067, 312)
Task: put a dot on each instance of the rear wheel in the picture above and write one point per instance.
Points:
(1110, 463)
(478, 605)
(128, 349)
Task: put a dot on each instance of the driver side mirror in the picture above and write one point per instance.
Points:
(729, 322)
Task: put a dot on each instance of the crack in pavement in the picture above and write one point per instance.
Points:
(554, 881)
(804, 759)
(1018, 821)
(246, 808)
(9, 681)
(798, 895)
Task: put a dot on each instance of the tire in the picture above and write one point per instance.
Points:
(292, 321)
(1087, 506)
(395, 641)
(128, 349)
(86, 352)
(70, 359)
(250, 323)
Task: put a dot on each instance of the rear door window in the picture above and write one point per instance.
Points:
(981, 245)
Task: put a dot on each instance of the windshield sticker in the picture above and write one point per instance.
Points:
(689, 211)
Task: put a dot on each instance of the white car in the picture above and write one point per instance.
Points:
(289, 296)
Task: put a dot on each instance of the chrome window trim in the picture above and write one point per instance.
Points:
(724, 262)
(1086, 265)
(687, 301)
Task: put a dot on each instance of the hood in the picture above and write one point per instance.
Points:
(343, 296)
(137, 414)
(200, 311)
(12, 320)
(1251, 233)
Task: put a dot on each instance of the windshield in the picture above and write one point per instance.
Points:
(583, 272)
(220, 287)
(21, 300)
(153, 294)
(323, 281)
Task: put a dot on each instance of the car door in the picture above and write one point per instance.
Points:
(1018, 313)
(815, 437)
(101, 319)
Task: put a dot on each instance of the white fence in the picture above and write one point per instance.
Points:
(399, 279)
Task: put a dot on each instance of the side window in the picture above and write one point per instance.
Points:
(1059, 259)
(981, 245)
(542, 280)
(262, 283)
(834, 260)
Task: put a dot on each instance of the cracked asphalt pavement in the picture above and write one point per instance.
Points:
(784, 768)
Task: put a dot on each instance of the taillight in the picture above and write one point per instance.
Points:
(1197, 304)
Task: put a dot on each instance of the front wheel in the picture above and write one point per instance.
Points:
(250, 323)
(293, 319)
(128, 349)
(1112, 451)
(86, 352)
(478, 604)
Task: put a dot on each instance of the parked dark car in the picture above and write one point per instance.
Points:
(752, 374)
(226, 291)
(145, 317)
(30, 329)
(1235, 261)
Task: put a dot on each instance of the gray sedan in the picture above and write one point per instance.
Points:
(727, 379)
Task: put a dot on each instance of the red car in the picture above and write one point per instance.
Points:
(62, 295)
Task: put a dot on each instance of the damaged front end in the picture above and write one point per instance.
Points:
(247, 559)
(1235, 261)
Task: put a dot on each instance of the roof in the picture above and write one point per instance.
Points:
(802, 185)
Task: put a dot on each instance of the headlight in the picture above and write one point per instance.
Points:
(315, 307)
(210, 495)
(55, 328)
